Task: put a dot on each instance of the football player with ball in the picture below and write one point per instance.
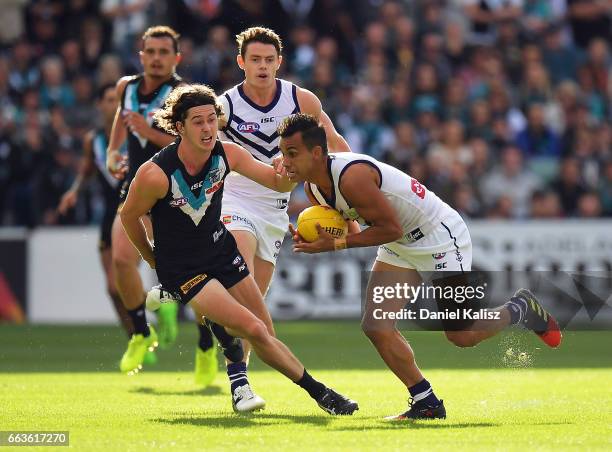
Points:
(415, 231)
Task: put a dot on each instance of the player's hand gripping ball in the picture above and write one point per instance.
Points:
(329, 219)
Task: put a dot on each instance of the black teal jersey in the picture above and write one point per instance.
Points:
(186, 227)
(140, 149)
(110, 185)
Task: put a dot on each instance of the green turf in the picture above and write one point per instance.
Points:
(63, 378)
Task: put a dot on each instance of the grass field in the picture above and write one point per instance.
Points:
(65, 378)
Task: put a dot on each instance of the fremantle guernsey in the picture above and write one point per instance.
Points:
(418, 209)
(139, 149)
(186, 228)
(255, 128)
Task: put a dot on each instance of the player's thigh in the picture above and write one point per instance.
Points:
(216, 303)
(248, 295)
(263, 271)
(107, 265)
(379, 303)
(123, 251)
(247, 245)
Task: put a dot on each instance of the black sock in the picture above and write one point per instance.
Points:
(231, 346)
(311, 386)
(139, 319)
(422, 392)
(237, 373)
(205, 342)
(517, 308)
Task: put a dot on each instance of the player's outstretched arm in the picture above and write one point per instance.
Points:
(149, 185)
(309, 103)
(244, 163)
(85, 171)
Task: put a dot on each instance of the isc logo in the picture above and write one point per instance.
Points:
(248, 127)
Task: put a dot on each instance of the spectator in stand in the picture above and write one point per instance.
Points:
(450, 149)
(109, 70)
(569, 185)
(397, 106)
(509, 180)
(455, 101)
(54, 89)
(605, 189)
(545, 204)
(560, 58)
(480, 124)
(537, 139)
(589, 19)
(70, 52)
(589, 205)
(24, 73)
(455, 47)
(404, 149)
(485, 15)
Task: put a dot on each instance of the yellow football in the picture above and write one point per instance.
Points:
(329, 219)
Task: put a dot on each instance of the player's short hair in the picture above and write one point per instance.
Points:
(258, 34)
(162, 31)
(102, 90)
(178, 103)
(313, 134)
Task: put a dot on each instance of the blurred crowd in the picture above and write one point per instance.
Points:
(501, 107)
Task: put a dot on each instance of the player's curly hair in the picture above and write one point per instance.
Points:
(313, 134)
(162, 31)
(258, 34)
(178, 103)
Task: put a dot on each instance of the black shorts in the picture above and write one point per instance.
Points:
(229, 270)
(106, 226)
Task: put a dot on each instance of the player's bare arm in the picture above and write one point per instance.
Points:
(115, 162)
(150, 184)
(309, 103)
(359, 186)
(86, 167)
(244, 163)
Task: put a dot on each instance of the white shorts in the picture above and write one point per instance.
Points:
(448, 247)
(268, 229)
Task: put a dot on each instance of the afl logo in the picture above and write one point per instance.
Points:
(248, 127)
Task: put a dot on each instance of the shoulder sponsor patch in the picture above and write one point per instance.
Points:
(192, 282)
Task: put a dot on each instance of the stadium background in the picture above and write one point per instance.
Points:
(502, 108)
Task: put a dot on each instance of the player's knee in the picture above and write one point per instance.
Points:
(256, 331)
(122, 260)
(377, 335)
(462, 339)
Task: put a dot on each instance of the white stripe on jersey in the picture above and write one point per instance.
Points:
(255, 128)
(416, 207)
